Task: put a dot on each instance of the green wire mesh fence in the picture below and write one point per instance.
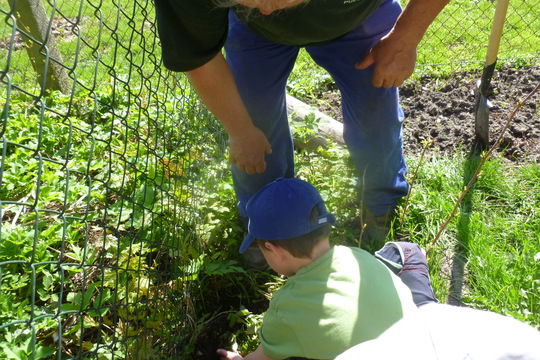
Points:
(104, 160)
(458, 38)
(109, 168)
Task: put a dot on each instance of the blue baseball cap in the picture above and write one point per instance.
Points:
(282, 209)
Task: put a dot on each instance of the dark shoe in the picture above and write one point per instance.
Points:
(375, 229)
(254, 257)
(408, 261)
(392, 256)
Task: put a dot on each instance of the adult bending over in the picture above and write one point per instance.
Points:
(367, 46)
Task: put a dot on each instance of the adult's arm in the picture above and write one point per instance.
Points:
(395, 55)
(215, 85)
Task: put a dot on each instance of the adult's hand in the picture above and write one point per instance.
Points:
(228, 355)
(215, 86)
(394, 61)
(248, 149)
(394, 56)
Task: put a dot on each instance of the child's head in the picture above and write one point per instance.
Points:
(289, 213)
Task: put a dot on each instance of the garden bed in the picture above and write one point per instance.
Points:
(443, 111)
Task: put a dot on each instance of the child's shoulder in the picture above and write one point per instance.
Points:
(342, 250)
(354, 255)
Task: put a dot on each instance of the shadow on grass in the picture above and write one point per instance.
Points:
(461, 249)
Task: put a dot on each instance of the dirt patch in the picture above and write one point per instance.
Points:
(443, 111)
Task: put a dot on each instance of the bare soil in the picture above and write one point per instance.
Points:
(443, 111)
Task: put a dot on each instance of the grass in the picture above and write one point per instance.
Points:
(100, 43)
(489, 257)
(465, 27)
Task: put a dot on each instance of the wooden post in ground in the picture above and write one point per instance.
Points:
(40, 45)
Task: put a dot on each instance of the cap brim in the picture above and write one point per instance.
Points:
(248, 240)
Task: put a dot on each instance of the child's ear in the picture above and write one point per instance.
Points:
(278, 251)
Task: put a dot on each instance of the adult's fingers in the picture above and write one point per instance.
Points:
(365, 62)
(251, 169)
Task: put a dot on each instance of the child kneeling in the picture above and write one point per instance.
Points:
(335, 296)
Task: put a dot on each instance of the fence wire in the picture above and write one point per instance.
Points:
(108, 166)
(458, 38)
(101, 182)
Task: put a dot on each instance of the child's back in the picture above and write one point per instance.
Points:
(341, 299)
(335, 297)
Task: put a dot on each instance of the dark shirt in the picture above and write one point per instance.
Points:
(192, 32)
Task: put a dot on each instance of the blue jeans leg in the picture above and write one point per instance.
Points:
(260, 69)
(372, 116)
